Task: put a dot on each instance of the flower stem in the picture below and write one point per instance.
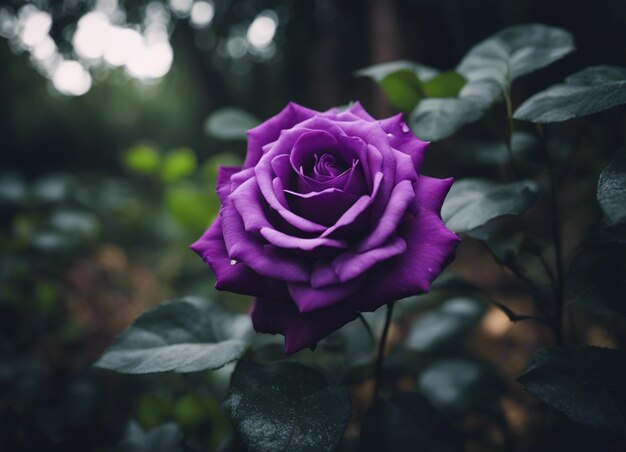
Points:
(511, 130)
(381, 353)
(558, 256)
(559, 281)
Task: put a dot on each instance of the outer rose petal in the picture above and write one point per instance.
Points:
(430, 247)
(402, 139)
(300, 330)
(269, 130)
(233, 277)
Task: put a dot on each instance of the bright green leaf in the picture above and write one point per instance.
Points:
(407, 422)
(141, 159)
(229, 124)
(178, 164)
(444, 326)
(515, 51)
(401, 81)
(612, 188)
(287, 406)
(589, 91)
(186, 335)
(191, 206)
(474, 202)
(586, 384)
(446, 84)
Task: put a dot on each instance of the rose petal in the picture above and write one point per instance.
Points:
(401, 198)
(269, 131)
(309, 298)
(430, 247)
(300, 330)
(430, 193)
(233, 276)
(351, 265)
(266, 260)
(284, 241)
(351, 216)
(402, 139)
(323, 207)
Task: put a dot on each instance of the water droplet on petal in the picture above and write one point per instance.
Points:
(430, 269)
(390, 135)
(233, 262)
(405, 128)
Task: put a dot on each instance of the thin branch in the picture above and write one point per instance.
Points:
(381, 353)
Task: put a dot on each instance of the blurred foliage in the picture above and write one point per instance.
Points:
(101, 195)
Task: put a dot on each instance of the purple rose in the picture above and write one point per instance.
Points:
(327, 217)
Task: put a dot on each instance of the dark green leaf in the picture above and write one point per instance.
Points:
(586, 384)
(178, 164)
(474, 202)
(589, 91)
(438, 118)
(446, 84)
(378, 72)
(612, 188)
(503, 243)
(185, 335)
(165, 438)
(495, 153)
(515, 51)
(458, 385)
(287, 406)
(596, 278)
(229, 124)
(407, 422)
(444, 326)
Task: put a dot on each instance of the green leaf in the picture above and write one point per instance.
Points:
(612, 188)
(589, 91)
(474, 202)
(443, 327)
(287, 406)
(586, 384)
(191, 206)
(178, 164)
(515, 51)
(165, 438)
(229, 124)
(457, 385)
(401, 81)
(504, 244)
(141, 159)
(378, 72)
(495, 153)
(596, 278)
(186, 335)
(407, 422)
(438, 118)
(446, 84)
